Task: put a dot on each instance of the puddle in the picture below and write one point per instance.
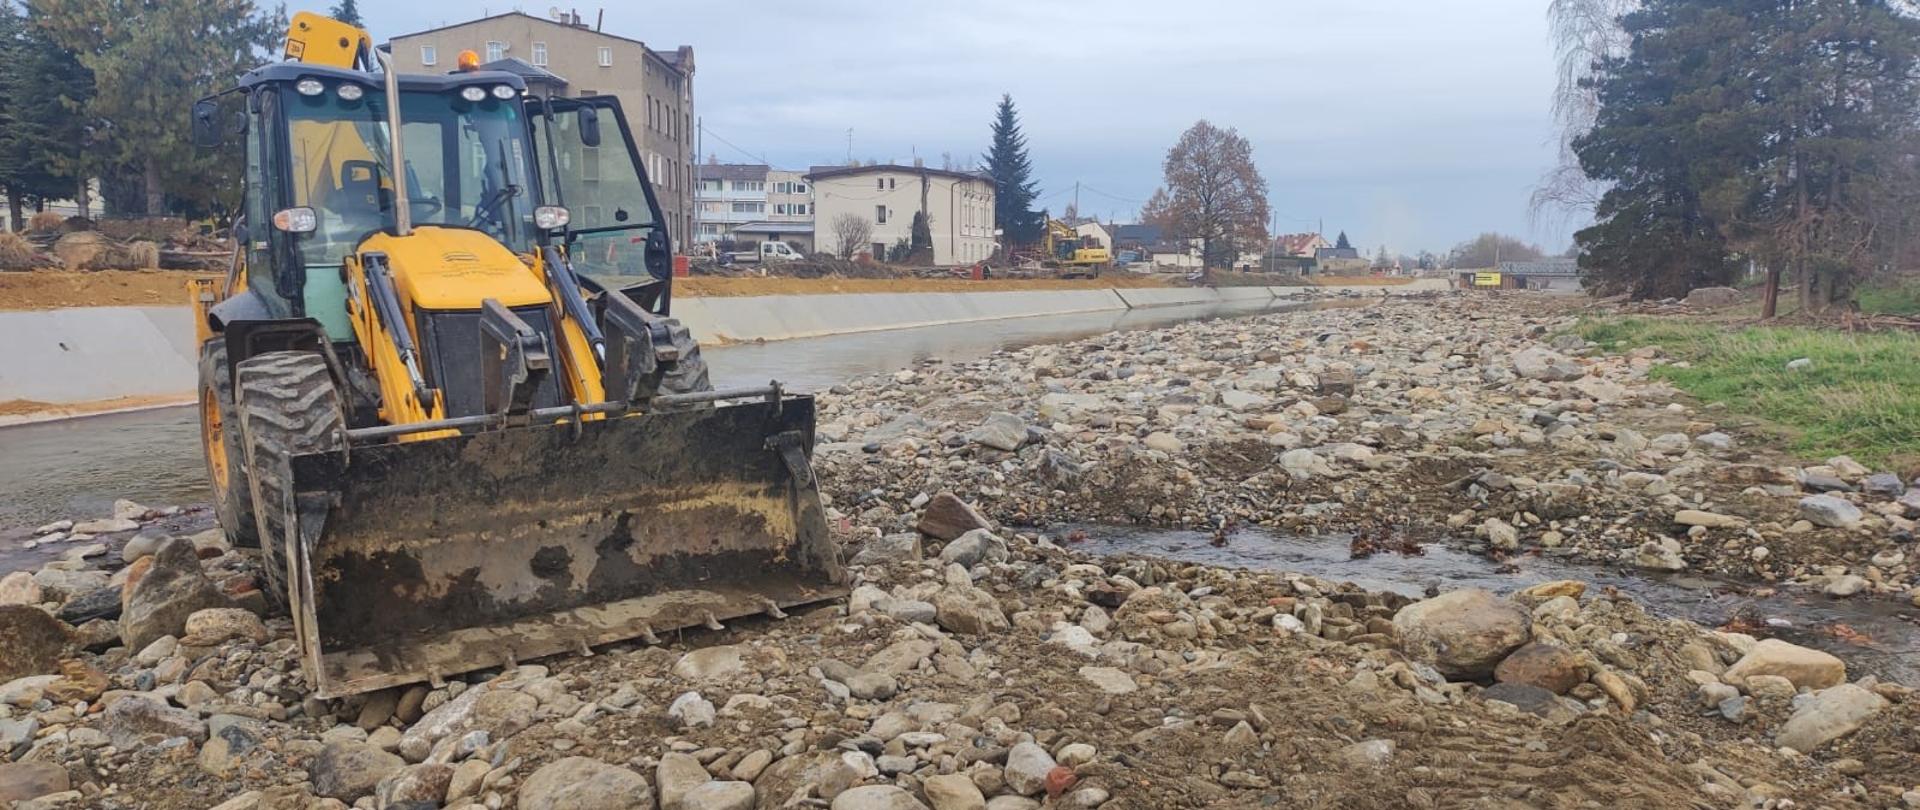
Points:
(75, 468)
(1807, 619)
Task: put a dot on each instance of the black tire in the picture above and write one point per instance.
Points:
(690, 374)
(288, 406)
(223, 449)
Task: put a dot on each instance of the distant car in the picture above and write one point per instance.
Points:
(768, 252)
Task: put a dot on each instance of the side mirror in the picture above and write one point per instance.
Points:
(659, 254)
(589, 126)
(207, 132)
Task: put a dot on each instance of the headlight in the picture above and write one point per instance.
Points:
(473, 93)
(503, 92)
(296, 220)
(550, 217)
(351, 92)
(309, 87)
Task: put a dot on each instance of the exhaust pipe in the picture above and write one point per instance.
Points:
(402, 213)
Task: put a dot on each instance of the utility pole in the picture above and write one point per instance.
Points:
(700, 152)
(1076, 198)
(849, 146)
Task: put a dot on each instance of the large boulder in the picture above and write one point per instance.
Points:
(133, 722)
(21, 781)
(1548, 666)
(974, 548)
(876, 797)
(215, 626)
(1806, 668)
(349, 770)
(31, 642)
(171, 591)
(1831, 511)
(1001, 431)
(18, 588)
(1542, 363)
(946, 517)
(676, 776)
(953, 791)
(579, 783)
(1027, 767)
(1714, 297)
(711, 663)
(501, 713)
(967, 610)
(1464, 634)
(1829, 715)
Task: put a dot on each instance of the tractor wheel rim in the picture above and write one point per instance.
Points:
(216, 440)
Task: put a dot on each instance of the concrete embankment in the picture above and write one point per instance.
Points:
(89, 354)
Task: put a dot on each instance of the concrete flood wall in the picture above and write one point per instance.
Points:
(776, 317)
(98, 353)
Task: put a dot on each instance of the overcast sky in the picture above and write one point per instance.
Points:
(1407, 123)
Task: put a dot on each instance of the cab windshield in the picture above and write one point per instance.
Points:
(466, 165)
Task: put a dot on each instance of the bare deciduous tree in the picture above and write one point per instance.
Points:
(1584, 31)
(1218, 197)
(852, 233)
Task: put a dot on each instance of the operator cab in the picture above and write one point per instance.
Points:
(478, 153)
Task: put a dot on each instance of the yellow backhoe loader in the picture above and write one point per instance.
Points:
(1073, 255)
(442, 391)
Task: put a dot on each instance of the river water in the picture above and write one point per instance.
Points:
(1809, 619)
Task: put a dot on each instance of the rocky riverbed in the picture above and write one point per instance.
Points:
(1466, 419)
(981, 665)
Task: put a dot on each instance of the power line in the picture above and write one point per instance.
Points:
(1114, 197)
(736, 147)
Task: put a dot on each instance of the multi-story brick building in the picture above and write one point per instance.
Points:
(655, 87)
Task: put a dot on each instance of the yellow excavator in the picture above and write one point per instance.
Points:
(1073, 255)
(442, 391)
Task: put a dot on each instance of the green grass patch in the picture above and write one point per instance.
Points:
(1896, 297)
(1860, 398)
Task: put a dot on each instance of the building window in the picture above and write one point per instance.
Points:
(880, 183)
(606, 56)
(749, 185)
(749, 208)
(539, 54)
(429, 56)
(880, 215)
(496, 50)
(800, 209)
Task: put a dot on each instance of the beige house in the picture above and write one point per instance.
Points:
(959, 208)
(567, 57)
(1101, 235)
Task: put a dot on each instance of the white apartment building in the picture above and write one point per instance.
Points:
(750, 202)
(959, 208)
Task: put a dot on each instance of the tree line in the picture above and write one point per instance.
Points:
(1212, 193)
(1777, 134)
(100, 89)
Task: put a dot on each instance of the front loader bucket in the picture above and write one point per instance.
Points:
(443, 556)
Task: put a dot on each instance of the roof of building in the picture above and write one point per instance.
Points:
(819, 172)
(525, 70)
(1142, 233)
(731, 171)
(1336, 253)
(672, 59)
(1543, 267)
(1299, 244)
(774, 227)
